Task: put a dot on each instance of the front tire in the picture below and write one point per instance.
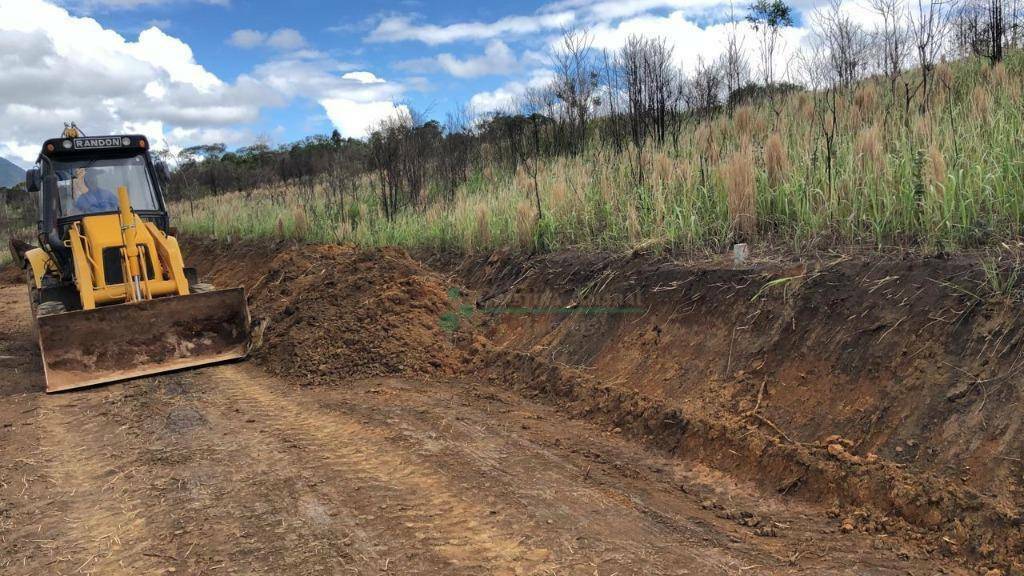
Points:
(51, 308)
(33, 292)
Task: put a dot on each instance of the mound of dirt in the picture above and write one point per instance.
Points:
(328, 313)
(11, 274)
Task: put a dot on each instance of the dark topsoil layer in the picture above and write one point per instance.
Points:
(886, 389)
(11, 274)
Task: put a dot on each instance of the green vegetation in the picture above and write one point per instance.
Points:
(807, 169)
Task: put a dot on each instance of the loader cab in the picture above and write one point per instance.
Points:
(79, 177)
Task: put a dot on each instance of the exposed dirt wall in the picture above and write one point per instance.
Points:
(887, 384)
(915, 361)
(886, 390)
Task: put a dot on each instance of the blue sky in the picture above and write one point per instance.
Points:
(198, 71)
(337, 29)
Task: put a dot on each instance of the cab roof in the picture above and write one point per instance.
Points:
(94, 145)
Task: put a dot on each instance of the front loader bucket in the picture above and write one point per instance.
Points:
(125, 341)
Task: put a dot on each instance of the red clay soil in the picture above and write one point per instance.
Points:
(885, 390)
(11, 274)
(328, 313)
(889, 388)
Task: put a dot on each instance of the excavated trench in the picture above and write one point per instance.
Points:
(886, 390)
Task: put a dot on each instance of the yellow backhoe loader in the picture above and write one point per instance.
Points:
(111, 296)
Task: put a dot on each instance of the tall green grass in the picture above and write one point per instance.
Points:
(947, 179)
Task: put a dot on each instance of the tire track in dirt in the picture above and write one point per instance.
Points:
(228, 470)
(134, 480)
(417, 497)
(104, 518)
(600, 500)
(569, 511)
(417, 446)
(628, 516)
(240, 507)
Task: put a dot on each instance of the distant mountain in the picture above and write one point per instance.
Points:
(10, 173)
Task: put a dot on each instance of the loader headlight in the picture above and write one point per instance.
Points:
(125, 141)
(66, 144)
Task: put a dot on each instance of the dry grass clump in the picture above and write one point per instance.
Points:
(998, 76)
(740, 186)
(806, 106)
(869, 150)
(559, 193)
(707, 143)
(981, 102)
(526, 224)
(743, 119)
(866, 98)
(343, 232)
(300, 224)
(482, 233)
(663, 167)
(934, 173)
(776, 159)
(923, 127)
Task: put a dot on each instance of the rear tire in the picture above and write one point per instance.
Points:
(201, 288)
(33, 299)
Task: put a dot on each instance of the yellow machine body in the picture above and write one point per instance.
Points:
(135, 313)
(161, 265)
(40, 264)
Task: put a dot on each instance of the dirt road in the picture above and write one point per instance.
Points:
(227, 470)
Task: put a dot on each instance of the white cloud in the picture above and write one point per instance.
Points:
(280, 39)
(692, 43)
(230, 136)
(363, 77)
(400, 28)
(499, 100)
(246, 38)
(357, 119)
(608, 10)
(153, 129)
(497, 59)
(21, 154)
(56, 67)
(155, 90)
(319, 79)
(91, 5)
(286, 39)
(503, 99)
(354, 101)
(175, 57)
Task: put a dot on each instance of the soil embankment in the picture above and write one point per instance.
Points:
(231, 470)
(885, 390)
